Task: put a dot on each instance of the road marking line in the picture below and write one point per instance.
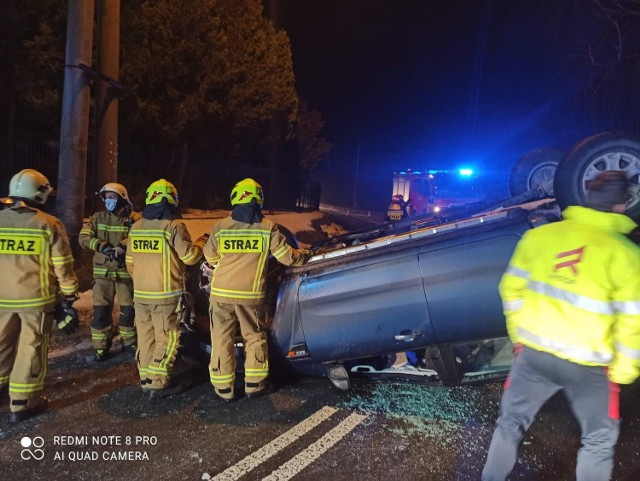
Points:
(265, 452)
(317, 449)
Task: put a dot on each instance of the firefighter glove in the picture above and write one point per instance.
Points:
(109, 251)
(119, 252)
(66, 316)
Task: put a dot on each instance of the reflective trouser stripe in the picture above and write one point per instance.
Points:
(158, 336)
(222, 381)
(256, 373)
(24, 340)
(127, 333)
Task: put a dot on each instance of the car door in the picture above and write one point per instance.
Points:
(461, 283)
(369, 308)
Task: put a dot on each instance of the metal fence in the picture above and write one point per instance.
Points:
(202, 184)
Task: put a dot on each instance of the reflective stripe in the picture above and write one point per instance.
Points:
(19, 303)
(571, 352)
(189, 257)
(158, 370)
(62, 260)
(127, 332)
(576, 300)
(113, 228)
(222, 380)
(38, 385)
(517, 272)
(157, 295)
(215, 291)
(257, 370)
(25, 388)
(170, 350)
(627, 307)
(513, 305)
(68, 290)
(260, 373)
(627, 351)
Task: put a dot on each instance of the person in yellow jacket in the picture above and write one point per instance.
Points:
(159, 247)
(571, 296)
(105, 233)
(239, 247)
(36, 262)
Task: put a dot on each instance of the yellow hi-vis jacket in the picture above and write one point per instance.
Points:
(572, 289)
(240, 254)
(35, 259)
(157, 252)
(104, 228)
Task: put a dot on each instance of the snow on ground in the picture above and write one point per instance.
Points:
(201, 222)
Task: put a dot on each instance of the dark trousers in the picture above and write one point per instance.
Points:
(534, 378)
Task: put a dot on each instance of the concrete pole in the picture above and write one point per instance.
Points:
(72, 166)
(106, 120)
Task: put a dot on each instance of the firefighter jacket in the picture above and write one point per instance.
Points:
(158, 250)
(35, 259)
(104, 228)
(572, 289)
(240, 253)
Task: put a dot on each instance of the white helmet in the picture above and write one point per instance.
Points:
(31, 185)
(116, 189)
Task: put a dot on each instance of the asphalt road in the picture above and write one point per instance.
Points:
(100, 426)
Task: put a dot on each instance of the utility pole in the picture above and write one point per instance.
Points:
(106, 106)
(72, 167)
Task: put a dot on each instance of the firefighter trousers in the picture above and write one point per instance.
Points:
(534, 378)
(158, 343)
(222, 369)
(24, 344)
(105, 290)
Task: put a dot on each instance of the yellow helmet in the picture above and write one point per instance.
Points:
(31, 185)
(162, 189)
(245, 190)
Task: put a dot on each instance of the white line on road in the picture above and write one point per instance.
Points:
(317, 449)
(261, 455)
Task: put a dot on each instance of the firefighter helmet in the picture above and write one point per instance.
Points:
(246, 190)
(116, 189)
(162, 189)
(31, 185)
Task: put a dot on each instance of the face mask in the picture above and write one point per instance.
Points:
(110, 204)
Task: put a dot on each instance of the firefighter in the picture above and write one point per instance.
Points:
(159, 248)
(397, 209)
(36, 262)
(571, 295)
(106, 234)
(239, 247)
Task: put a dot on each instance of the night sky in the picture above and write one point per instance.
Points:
(439, 83)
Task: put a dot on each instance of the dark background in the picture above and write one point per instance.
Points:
(439, 84)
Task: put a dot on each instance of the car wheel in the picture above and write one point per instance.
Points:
(535, 171)
(599, 153)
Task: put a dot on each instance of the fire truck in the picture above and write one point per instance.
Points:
(431, 191)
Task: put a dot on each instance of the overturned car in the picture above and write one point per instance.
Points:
(418, 299)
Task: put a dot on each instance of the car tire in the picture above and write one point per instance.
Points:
(535, 171)
(596, 154)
